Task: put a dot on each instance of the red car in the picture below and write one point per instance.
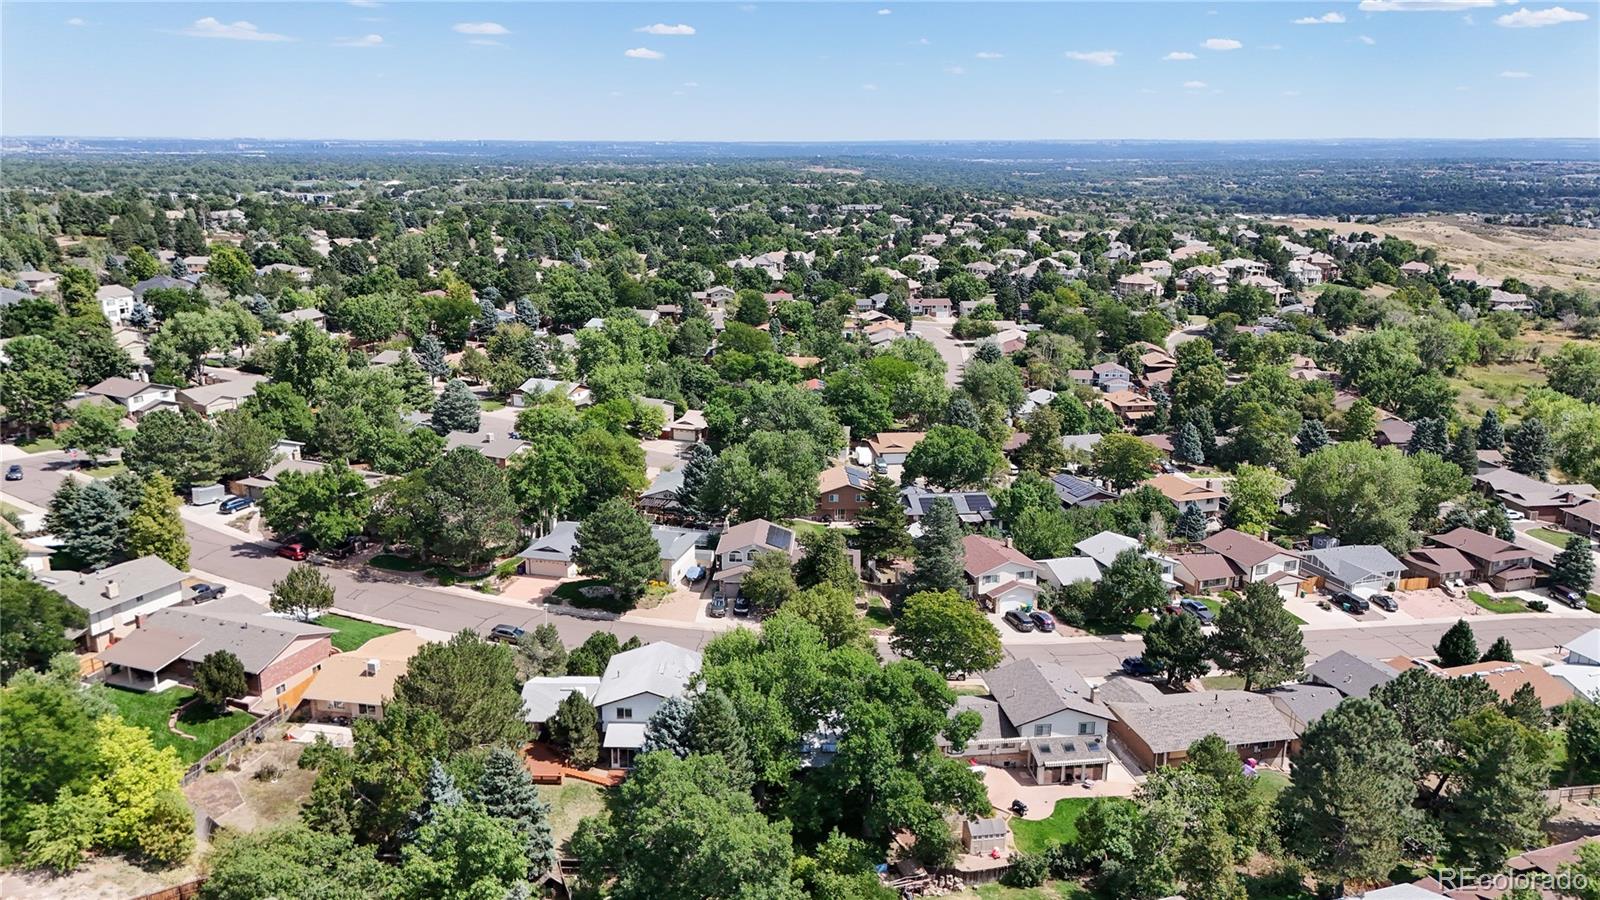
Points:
(295, 552)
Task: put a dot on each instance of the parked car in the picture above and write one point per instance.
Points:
(741, 606)
(1197, 609)
(1350, 603)
(1019, 620)
(353, 544)
(1042, 620)
(234, 503)
(202, 591)
(880, 467)
(296, 551)
(1568, 596)
(1514, 515)
(13, 472)
(1136, 665)
(1385, 602)
(507, 633)
(719, 607)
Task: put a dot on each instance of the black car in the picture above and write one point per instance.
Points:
(508, 633)
(1018, 807)
(1019, 620)
(1350, 603)
(1197, 609)
(235, 503)
(1042, 620)
(1385, 603)
(719, 607)
(741, 606)
(201, 591)
(1136, 665)
(352, 544)
(13, 472)
(1563, 594)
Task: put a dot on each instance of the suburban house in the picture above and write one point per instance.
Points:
(357, 684)
(972, 507)
(999, 577)
(1065, 570)
(1105, 547)
(1393, 432)
(1583, 519)
(497, 447)
(1130, 406)
(690, 427)
(1204, 573)
(310, 314)
(1075, 491)
(538, 387)
(1538, 500)
(115, 597)
(1137, 284)
(220, 396)
(541, 696)
(1504, 565)
(661, 497)
(677, 552)
(255, 486)
(1303, 704)
(278, 654)
(634, 683)
(1110, 376)
(1359, 568)
(1255, 559)
(1158, 731)
(739, 546)
(1507, 677)
(892, 447)
(116, 302)
(550, 556)
(1439, 565)
(137, 397)
(1186, 494)
(1351, 674)
(1042, 718)
(1581, 668)
(842, 493)
(38, 282)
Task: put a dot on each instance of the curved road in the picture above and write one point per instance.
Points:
(370, 593)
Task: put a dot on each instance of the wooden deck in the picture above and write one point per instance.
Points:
(546, 768)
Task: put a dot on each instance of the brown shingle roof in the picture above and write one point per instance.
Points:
(984, 554)
(1244, 550)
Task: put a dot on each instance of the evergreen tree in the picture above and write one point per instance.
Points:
(1186, 447)
(1493, 520)
(1191, 526)
(615, 545)
(825, 560)
(219, 677)
(1573, 567)
(155, 529)
(1177, 647)
(1496, 804)
(506, 792)
(439, 792)
(1528, 449)
(527, 313)
(1458, 646)
(456, 409)
(962, 414)
(1313, 436)
(90, 522)
(696, 494)
(304, 593)
(668, 728)
(1258, 639)
(941, 562)
(430, 354)
(881, 529)
(575, 729)
(1525, 707)
(541, 653)
(715, 729)
(1491, 434)
(1464, 451)
(1499, 651)
(1429, 436)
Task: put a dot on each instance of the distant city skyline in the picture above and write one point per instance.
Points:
(802, 71)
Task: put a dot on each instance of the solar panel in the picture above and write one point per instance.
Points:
(778, 537)
(979, 502)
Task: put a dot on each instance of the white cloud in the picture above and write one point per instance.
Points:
(366, 40)
(869, 86)
(665, 30)
(1544, 18)
(366, 4)
(1094, 57)
(1422, 5)
(954, 70)
(1332, 18)
(643, 53)
(1221, 44)
(1509, 74)
(922, 42)
(1180, 56)
(1365, 39)
(1193, 85)
(885, 12)
(1291, 93)
(479, 28)
(691, 84)
(985, 54)
(76, 22)
(210, 27)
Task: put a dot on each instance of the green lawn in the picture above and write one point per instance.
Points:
(491, 405)
(570, 802)
(39, 445)
(1556, 538)
(108, 470)
(398, 563)
(1270, 783)
(571, 593)
(1034, 835)
(351, 633)
(150, 712)
(1223, 682)
(1497, 604)
(1050, 890)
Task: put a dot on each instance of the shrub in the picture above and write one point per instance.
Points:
(1538, 605)
(268, 772)
(1027, 870)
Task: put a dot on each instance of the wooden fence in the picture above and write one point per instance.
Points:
(228, 746)
(1575, 793)
(176, 892)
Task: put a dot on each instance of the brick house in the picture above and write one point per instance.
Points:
(842, 493)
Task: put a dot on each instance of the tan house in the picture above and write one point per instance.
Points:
(1186, 493)
(1158, 731)
(357, 684)
(842, 493)
(1129, 406)
(892, 447)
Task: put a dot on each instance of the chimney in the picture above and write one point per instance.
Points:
(372, 667)
(110, 591)
(488, 437)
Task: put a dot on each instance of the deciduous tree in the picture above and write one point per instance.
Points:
(947, 633)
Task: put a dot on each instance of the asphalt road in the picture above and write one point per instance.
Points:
(369, 592)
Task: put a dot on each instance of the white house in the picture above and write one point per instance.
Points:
(535, 387)
(1360, 568)
(116, 302)
(677, 551)
(999, 577)
(116, 596)
(550, 556)
(634, 684)
(1041, 717)
(135, 396)
(739, 546)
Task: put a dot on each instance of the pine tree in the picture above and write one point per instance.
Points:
(440, 792)
(1464, 451)
(1525, 707)
(1499, 651)
(696, 493)
(1573, 567)
(716, 730)
(1258, 639)
(668, 728)
(940, 559)
(1494, 520)
(92, 525)
(507, 792)
(1529, 449)
(155, 528)
(614, 544)
(541, 653)
(575, 729)
(1428, 436)
(881, 529)
(430, 353)
(962, 414)
(1313, 436)
(456, 409)
(1458, 646)
(527, 313)
(1191, 525)
(1491, 435)
(1186, 447)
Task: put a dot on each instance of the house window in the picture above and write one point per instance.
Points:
(1261, 569)
(280, 689)
(1041, 730)
(624, 713)
(366, 709)
(1291, 566)
(1086, 728)
(833, 498)
(734, 556)
(336, 704)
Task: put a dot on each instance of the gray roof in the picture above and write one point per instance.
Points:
(661, 668)
(237, 626)
(1349, 564)
(9, 297)
(1084, 442)
(1129, 690)
(1074, 490)
(134, 578)
(667, 483)
(988, 828)
(160, 281)
(1067, 569)
(1174, 721)
(675, 542)
(124, 388)
(557, 545)
(1105, 547)
(490, 444)
(1028, 690)
(1304, 702)
(541, 696)
(995, 725)
(971, 506)
(1351, 674)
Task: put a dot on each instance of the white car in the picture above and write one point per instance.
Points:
(1514, 516)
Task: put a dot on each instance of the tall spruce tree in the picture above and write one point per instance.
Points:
(715, 729)
(1528, 448)
(881, 530)
(456, 409)
(940, 559)
(1187, 446)
(1313, 436)
(1573, 567)
(1429, 436)
(1191, 525)
(1491, 434)
(1458, 646)
(1258, 639)
(668, 728)
(506, 791)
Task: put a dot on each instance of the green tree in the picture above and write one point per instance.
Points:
(1499, 651)
(180, 444)
(941, 560)
(34, 622)
(545, 478)
(1573, 567)
(1359, 422)
(575, 729)
(231, 267)
(34, 384)
(1129, 586)
(615, 546)
(668, 728)
(329, 504)
(881, 529)
(1177, 648)
(95, 429)
(1497, 803)
(1187, 447)
(1122, 460)
(304, 593)
(1526, 708)
(219, 678)
(464, 854)
(1254, 496)
(506, 792)
(771, 475)
(91, 522)
(770, 582)
(1363, 494)
(293, 861)
(1528, 448)
(1258, 639)
(463, 512)
(1491, 434)
(456, 409)
(825, 561)
(833, 611)
(1348, 810)
(952, 458)
(541, 653)
(471, 684)
(154, 528)
(246, 443)
(716, 730)
(947, 633)
(1458, 646)
(1191, 525)
(147, 815)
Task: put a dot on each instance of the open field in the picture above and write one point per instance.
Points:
(1560, 257)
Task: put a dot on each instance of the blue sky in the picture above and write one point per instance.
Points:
(803, 71)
